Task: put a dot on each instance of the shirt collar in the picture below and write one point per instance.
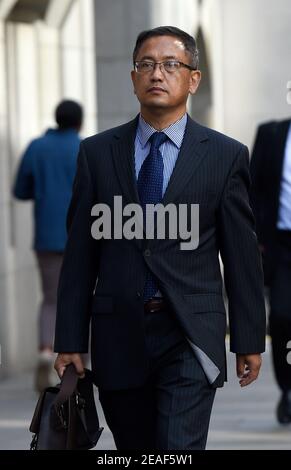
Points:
(175, 131)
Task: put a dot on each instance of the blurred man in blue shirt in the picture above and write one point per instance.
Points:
(45, 175)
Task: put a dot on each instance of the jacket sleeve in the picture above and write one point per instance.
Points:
(242, 262)
(79, 268)
(24, 182)
(258, 186)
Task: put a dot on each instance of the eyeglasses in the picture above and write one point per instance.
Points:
(169, 66)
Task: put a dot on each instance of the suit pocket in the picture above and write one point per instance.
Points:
(102, 304)
(204, 303)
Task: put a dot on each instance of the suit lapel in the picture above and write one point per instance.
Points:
(123, 158)
(192, 151)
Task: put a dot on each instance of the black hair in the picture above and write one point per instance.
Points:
(188, 41)
(69, 115)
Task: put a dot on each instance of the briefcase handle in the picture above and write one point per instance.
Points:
(68, 385)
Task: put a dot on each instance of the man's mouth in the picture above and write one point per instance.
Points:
(156, 89)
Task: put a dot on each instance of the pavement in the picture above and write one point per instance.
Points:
(241, 419)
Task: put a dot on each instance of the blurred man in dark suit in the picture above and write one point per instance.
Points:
(271, 202)
(158, 316)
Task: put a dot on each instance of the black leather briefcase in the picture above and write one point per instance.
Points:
(65, 416)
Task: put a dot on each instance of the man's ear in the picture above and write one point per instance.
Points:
(132, 73)
(195, 79)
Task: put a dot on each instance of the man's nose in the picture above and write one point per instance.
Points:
(157, 73)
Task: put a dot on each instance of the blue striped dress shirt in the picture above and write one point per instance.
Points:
(169, 150)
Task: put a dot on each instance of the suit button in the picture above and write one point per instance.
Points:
(138, 294)
(147, 253)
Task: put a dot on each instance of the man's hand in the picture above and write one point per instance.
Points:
(64, 359)
(248, 367)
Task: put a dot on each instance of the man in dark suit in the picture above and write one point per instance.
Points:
(158, 316)
(271, 202)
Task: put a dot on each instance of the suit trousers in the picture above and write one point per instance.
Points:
(280, 309)
(172, 409)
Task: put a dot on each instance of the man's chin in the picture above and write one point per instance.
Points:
(156, 104)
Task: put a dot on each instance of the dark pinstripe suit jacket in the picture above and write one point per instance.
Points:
(212, 170)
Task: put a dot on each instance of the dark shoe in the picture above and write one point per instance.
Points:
(284, 408)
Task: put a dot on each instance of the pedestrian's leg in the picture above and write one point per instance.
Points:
(130, 415)
(49, 265)
(184, 403)
(49, 269)
(183, 396)
(280, 324)
(280, 317)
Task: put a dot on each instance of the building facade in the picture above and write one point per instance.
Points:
(47, 53)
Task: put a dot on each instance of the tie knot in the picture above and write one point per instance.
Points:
(157, 139)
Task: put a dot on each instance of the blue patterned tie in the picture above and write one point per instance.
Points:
(150, 189)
